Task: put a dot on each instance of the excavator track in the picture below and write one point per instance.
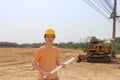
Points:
(99, 59)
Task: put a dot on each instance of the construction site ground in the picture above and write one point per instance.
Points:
(15, 64)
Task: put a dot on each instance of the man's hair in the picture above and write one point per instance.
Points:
(46, 35)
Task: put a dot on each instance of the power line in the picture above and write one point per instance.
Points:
(104, 7)
(94, 7)
(109, 4)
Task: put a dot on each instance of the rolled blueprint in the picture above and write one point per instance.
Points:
(59, 67)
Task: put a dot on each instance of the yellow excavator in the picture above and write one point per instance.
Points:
(96, 52)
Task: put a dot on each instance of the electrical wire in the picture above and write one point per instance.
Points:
(94, 7)
(109, 4)
(104, 7)
(107, 8)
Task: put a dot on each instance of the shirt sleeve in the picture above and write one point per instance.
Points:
(37, 56)
(58, 51)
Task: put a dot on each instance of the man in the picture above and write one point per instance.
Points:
(47, 57)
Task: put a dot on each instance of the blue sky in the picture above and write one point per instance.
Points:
(24, 21)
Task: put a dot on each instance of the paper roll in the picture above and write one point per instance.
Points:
(59, 67)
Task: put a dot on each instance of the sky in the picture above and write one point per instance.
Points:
(24, 21)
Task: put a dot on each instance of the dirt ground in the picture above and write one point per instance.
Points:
(15, 64)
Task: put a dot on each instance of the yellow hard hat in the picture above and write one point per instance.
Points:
(49, 31)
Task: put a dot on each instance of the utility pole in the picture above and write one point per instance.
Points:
(114, 16)
(114, 29)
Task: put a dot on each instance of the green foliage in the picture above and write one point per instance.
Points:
(117, 48)
(117, 45)
(71, 45)
(8, 44)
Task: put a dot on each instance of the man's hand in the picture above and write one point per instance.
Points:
(46, 74)
(63, 65)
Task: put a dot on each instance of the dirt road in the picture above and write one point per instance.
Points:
(15, 64)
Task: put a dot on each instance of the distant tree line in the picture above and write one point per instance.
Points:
(26, 45)
(36, 45)
(117, 45)
(72, 45)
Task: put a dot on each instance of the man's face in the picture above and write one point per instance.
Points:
(49, 38)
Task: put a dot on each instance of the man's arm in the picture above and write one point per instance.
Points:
(35, 65)
(59, 63)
